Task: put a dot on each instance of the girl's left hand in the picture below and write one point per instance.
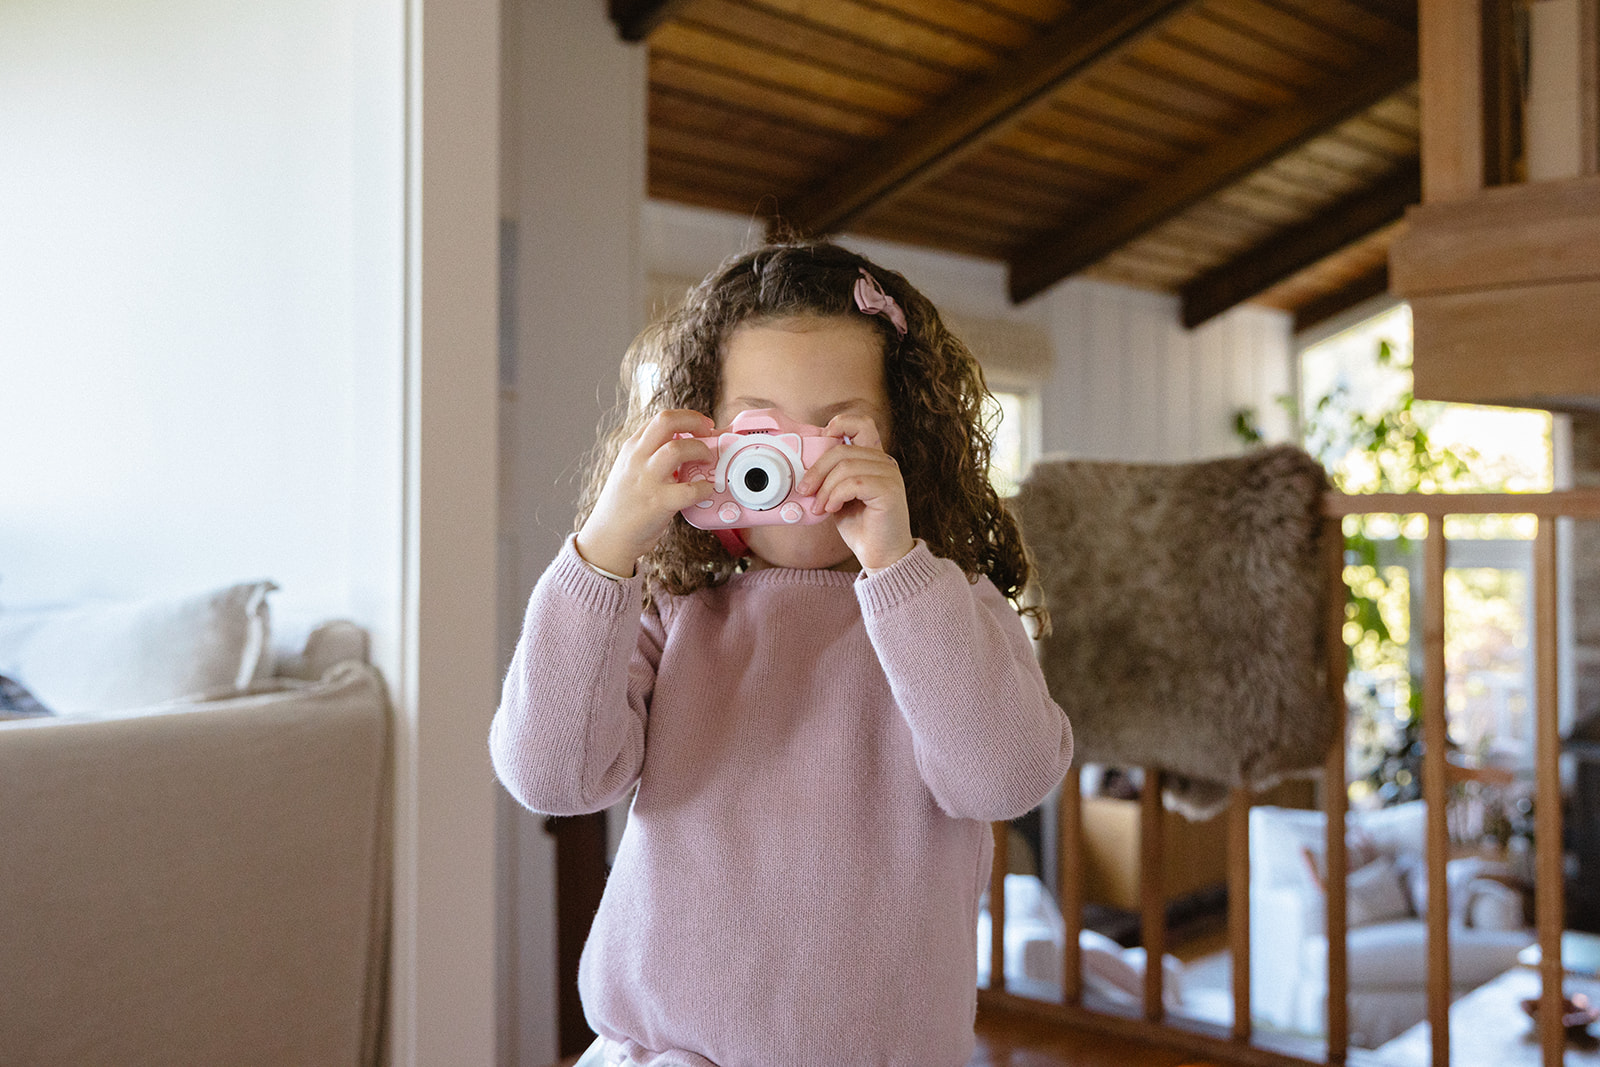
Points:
(861, 484)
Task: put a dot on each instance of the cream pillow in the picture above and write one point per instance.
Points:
(1375, 893)
(1494, 906)
(1458, 874)
(127, 655)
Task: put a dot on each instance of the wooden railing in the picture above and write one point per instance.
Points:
(1239, 1044)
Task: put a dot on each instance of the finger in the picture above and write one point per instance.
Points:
(680, 495)
(861, 429)
(819, 472)
(674, 453)
(665, 424)
(865, 481)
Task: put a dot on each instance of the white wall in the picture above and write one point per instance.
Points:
(572, 182)
(200, 205)
(1130, 383)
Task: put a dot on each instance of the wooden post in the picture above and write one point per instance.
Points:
(1335, 799)
(1450, 39)
(1152, 892)
(997, 904)
(1435, 789)
(1069, 880)
(1239, 908)
(1502, 93)
(1589, 86)
(1550, 892)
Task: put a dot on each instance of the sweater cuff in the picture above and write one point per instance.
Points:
(575, 577)
(900, 581)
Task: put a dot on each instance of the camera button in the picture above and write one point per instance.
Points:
(791, 513)
(729, 513)
(704, 503)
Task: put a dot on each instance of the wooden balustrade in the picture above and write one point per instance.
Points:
(1240, 1044)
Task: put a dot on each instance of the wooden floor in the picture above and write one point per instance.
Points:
(1004, 1041)
(1007, 1041)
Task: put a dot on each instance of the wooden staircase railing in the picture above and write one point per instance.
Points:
(1240, 1044)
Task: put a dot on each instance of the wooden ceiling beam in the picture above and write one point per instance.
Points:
(963, 120)
(1358, 289)
(636, 20)
(1067, 251)
(1291, 251)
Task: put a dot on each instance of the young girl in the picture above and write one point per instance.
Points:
(820, 730)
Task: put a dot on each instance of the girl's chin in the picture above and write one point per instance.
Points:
(816, 547)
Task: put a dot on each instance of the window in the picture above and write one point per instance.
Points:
(1013, 413)
(1359, 417)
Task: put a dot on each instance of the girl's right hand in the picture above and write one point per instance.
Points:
(641, 494)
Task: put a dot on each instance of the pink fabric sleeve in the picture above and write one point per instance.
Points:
(990, 743)
(568, 737)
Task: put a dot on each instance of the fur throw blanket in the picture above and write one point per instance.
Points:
(1186, 606)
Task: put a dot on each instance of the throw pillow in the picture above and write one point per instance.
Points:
(1375, 887)
(1359, 850)
(1494, 906)
(128, 655)
(1458, 874)
(17, 703)
(1375, 894)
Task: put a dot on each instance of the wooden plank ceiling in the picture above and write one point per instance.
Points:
(1225, 150)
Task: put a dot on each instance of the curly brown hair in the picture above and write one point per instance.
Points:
(939, 434)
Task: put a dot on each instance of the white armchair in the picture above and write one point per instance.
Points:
(1387, 941)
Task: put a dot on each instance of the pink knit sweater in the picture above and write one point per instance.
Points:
(817, 756)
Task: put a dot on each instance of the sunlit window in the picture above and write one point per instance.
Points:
(1010, 413)
(1359, 417)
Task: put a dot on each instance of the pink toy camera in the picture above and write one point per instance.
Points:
(755, 465)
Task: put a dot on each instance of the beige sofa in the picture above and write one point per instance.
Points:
(202, 879)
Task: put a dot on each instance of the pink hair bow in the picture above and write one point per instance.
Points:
(872, 300)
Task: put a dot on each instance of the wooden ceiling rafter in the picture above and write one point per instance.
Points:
(788, 34)
(1358, 290)
(773, 99)
(1291, 251)
(1080, 244)
(926, 145)
(1208, 148)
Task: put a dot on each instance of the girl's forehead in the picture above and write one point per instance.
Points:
(811, 363)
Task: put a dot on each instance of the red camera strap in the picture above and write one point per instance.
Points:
(734, 542)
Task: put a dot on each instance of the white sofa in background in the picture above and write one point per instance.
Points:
(1387, 962)
(194, 854)
(1035, 935)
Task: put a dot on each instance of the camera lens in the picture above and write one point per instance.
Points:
(759, 477)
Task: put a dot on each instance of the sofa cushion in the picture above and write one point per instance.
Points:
(1375, 894)
(1493, 905)
(1460, 875)
(324, 647)
(137, 653)
(1395, 955)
